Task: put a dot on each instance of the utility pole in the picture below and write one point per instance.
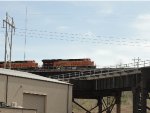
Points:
(9, 26)
(136, 62)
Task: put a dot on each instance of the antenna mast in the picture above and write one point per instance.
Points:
(25, 40)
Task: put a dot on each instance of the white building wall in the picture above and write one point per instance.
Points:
(70, 99)
(3, 88)
(13, 110)
(58, 96)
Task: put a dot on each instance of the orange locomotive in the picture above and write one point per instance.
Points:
(28, 64)
(68, 63)
(84, 63)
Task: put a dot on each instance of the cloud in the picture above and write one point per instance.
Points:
(92, 21)
(88, 35)
(105, 11)
(142, 23)
(2, 42)
(62, 28)
(1, 39)
(141, 27)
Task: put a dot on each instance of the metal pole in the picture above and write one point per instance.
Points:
(143, 100)
(118, 103)
(11, 46)
(136, 99)
(25, 40)
(99, 104)
(6, 36)
(8, 40)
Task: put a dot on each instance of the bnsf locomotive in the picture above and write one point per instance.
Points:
(85, 63)
(28, 64)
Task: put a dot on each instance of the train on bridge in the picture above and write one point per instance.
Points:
(27, 64)
(73, 64)
(68, 64)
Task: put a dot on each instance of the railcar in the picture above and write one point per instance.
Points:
(85, 63)
(28, 64)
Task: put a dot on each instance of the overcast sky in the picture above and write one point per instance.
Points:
(107, 32)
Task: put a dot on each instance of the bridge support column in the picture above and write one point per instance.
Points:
(144, 100)
(139, 100)
(108, 104)
(144, 89)
(136, 98)
(140, 92)
(100, 104)
(118, 103)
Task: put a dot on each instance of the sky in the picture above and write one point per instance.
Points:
(109, 33)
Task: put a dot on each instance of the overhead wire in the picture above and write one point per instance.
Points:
(85, 41)
(81, 38)
(113, 39)
(81, 35)
(78, 36)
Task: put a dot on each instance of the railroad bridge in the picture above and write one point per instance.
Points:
(109, 83)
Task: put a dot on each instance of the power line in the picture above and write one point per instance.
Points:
(93, 39)
(83, 38)
(84, 35)
(95, 43)
(96, 39)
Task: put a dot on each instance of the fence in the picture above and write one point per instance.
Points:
(118, 70)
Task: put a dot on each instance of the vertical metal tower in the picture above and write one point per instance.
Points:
(9, 26)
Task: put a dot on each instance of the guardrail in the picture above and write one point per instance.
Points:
(118, 70)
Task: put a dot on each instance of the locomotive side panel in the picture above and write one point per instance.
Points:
(68, 64)
(30, 64)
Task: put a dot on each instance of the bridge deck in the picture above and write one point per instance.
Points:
(136, 81)
(108, 85)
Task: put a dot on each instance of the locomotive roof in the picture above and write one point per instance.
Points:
(22, 61)
(66, 59)
(27, 75)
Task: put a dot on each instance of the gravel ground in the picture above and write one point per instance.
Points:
(126, 104)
